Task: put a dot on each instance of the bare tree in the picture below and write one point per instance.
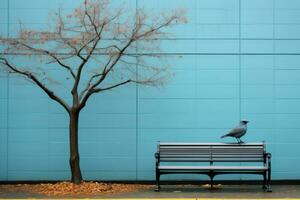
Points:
(96, 46)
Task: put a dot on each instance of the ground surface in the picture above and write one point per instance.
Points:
(66, 190)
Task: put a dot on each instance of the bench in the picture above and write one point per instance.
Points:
(213, 159)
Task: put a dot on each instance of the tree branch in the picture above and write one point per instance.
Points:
(105, 70)
(85, 60)
(96, 90)
(61, 26)
(88, 85)
(95, 76)
(29, 75)
(135, 36)
(43, 51)
(78, 76)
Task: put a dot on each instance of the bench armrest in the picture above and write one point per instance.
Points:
(157, 160)
(156, 155)
(268, 157)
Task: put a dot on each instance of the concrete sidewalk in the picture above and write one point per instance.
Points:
(186, 192)
(222, 192)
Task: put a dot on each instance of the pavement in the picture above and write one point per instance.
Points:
(220, 192)
(190, 192)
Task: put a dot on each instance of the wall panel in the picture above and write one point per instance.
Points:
(235, 59)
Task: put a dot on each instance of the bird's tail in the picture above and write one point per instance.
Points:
(223, 136)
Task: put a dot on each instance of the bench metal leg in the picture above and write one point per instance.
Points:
(211, 176)
(157, 189)
(264, 187)
(269, 189)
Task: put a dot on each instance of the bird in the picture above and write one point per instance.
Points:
(238, 131)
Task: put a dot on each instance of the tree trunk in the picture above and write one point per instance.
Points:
(74, 153)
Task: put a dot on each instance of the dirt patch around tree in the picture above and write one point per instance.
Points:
(68, 189)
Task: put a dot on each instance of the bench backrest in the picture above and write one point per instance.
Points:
(211, 152)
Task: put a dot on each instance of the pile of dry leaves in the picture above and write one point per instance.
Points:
(70, 189)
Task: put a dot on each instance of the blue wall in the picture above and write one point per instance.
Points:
(240, 59)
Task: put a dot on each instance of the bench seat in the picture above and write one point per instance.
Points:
(221, 168)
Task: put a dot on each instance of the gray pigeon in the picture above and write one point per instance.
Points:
(238, 131)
